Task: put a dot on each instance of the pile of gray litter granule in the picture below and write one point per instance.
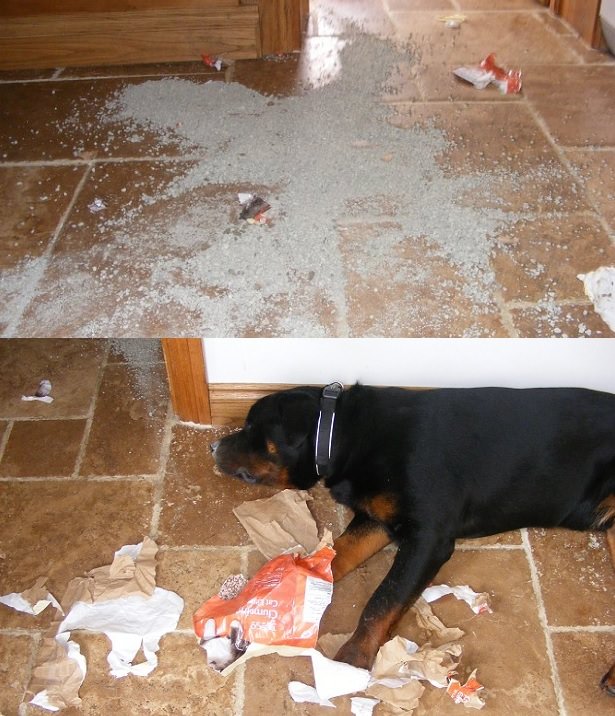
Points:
(320, 153)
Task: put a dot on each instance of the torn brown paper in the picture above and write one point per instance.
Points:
(400, 658)
(57, 675)
(404, 697)
(280, 523)
(132, 573)
(437, 633)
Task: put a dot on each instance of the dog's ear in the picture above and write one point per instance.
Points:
(298, 415)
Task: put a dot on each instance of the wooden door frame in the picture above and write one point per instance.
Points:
(185, 362)
(194, 399)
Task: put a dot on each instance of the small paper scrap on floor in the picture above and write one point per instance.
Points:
(42, 393)
(96, 206)
(216, 63)
(600, 289)
(466, 694)
(253, 209)
(453, 22)
(120, 600)
(481, 76)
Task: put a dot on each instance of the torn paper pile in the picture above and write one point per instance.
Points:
(284, 524)
(120, 600)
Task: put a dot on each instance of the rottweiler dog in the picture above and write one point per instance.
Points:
(422, 468)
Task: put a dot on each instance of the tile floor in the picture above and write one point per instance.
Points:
(68, 272)
(107, 463)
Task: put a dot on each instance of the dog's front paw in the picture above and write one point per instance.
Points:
(357, 652)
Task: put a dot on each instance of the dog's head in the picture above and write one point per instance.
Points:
(276, 444)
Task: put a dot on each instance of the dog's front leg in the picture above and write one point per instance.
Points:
(360, 540)
(417, 561)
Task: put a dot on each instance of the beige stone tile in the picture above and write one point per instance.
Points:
(195, 575)
(564, 103)
(549, 319)
(3, 427)
(71, 122)
(505, 142)
(544, 256)
(72, 366)
(574, 563)
(182, 683)
(42, 448)
(61, 530)
(582, 659)
(522, 38)
(197, 505)
(414, 291)
(129, 420)
(15, 656)
(597, 170)
(266, 687)
(35, 198)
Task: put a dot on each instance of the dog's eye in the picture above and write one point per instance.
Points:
(271, 447)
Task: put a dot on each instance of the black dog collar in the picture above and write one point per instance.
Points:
(324, 431)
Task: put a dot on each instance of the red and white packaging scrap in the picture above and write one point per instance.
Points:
(488, 72)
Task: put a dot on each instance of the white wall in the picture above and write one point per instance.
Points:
(456, 362)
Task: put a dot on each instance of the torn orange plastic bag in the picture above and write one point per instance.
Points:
(281, 604)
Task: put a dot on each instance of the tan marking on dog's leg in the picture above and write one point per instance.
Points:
(354, 548)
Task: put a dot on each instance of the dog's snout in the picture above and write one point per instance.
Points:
(214, 446)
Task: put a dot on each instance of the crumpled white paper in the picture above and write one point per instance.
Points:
(130, 623)
(600, 288)
(478, 602)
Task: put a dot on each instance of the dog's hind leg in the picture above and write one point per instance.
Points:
(608, 680)
(361, 539)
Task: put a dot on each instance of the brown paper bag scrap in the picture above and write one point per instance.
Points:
(280, 523)
(437, 632)
(56, 678)
(404, 697)
(124, 577)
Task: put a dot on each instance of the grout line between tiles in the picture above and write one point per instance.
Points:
(43, 418)
(5, 438)
(606, 629)
(94, 78)
(13, 164)
(488, 547)
(159, 483)
(82, 478)
(542, 615)
(35, 280)
(90, 417)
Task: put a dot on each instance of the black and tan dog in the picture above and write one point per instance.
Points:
(423, 468)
